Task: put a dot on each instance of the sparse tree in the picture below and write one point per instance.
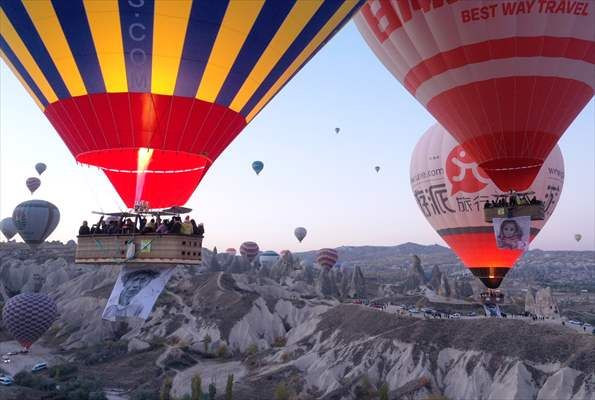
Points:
(165, 389)
(383, 392)
(212, 391)
(196, 387)
(207, 341)
(229, 388)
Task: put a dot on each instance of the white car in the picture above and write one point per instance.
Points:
(573, 322)
(456, 315)
(39, 367)
(6, 380)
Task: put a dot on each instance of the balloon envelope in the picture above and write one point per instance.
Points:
(249, 250)
(152, 92)
(257, 166)
(578, 237)
(33, 184)
(377, 168)
(8, 228)
(300, 233)
(327, 257)
(40, 167)
(451, 191)
(268, 257)
(505, 84)
(35, 220)
(28, 316)
(231, 251)
(337, 130)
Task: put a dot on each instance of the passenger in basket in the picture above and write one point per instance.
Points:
(162, 228)
(84, 229)
(186, 227)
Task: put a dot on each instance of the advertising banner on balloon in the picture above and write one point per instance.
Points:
(135, 292)
(512, 233)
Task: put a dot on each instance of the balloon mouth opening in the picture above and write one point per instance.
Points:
(137, 160)
(512, 173)
(158, 178)
(491, 277)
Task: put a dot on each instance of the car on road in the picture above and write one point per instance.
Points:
(573, 322)
(456, 316)
(39, 367)
(5, 359)
(6, 380)
(472, 314)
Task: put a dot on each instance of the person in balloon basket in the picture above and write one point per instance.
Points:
(84, 229)
(511, 235)
(186, 228)
(133, 282)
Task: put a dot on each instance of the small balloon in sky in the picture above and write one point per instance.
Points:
(40, 167)
(578, 237)
(337, 130)
(377, 168)
(257, 166)
(33, 184)
(7, 228)
(35, 220)
(300, 233)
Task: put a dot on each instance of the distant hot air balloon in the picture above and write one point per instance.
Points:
(28, 316)
(40, 167)
(257, 166)
(33, 184)
(152, 92)
(451, 190)
(231, 251)
(504, 80)
(337, 130)
(8, 228)
(327, 257)
(377, 168)
(300, 233)
(578, 237)
(35, 220)
(268, 257)
(249, 250)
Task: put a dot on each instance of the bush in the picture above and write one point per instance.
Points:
(62, 370)
(165, 389)
(196, 387)
(280, 341)
(106, 351)
(383, 392)
(281, 392)
(229, 388)
(83, 389)
(252, 349)
(33, 381)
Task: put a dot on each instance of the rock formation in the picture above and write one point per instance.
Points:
(541, 302)
(416, 276)
(358, 284)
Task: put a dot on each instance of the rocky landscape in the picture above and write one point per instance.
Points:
(290, 330)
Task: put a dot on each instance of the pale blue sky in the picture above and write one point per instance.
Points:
(312, 177)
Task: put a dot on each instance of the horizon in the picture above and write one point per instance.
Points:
(312, 177)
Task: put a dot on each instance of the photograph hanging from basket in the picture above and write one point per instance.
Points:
(512, 233)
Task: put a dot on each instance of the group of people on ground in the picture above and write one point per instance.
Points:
(512, 201)
(126, 226)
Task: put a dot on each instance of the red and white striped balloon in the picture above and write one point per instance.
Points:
(505, 78)
(327, 257)
(249, 250)
(451, 191)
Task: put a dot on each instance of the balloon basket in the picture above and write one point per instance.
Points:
(492, 296)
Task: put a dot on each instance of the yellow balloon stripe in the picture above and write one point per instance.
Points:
(298, 17)
(20, 78)
(104, 22)
(240, 15)
(169, 31)
(20, 50)
(324, 33)
(46, 22)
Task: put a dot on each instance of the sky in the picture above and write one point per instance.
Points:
(312, 177)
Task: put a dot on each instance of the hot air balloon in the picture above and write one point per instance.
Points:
(451, 191)
(152, 92)
(33, 184)
(377, 169)
(28, 316)
(327, 257)
(300, 233)
(268, 258)
(231, 251)
(249, 250)
(257, 166)
(35, 220)
(578, 237)
(337, 130)
(8, 228)
(505, 80)
(40, 167)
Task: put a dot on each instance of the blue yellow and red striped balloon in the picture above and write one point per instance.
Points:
(327, 257)
(152, 91)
